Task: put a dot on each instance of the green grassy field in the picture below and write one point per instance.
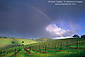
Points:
(10, 42)
(55, 48)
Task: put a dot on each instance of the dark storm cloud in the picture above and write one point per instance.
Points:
(59, 14)
(22, 20)
(19, 19)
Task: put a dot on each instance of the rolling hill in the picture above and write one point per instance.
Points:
(71, 47)
(11, 42)
(43, 39)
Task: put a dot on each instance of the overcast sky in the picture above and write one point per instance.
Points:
(38, 18)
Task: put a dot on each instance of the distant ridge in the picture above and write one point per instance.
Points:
(43, 39)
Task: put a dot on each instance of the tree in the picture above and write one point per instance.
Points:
(22, 41)
(75, 36)
(83, 36)
(12, 42)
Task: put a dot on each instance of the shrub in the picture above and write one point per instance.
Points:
(22, 41)
(13, 42)
(83, 36)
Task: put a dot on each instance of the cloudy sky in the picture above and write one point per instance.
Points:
(38, 18)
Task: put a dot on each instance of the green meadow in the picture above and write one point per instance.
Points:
(72, 47)
(11, 42)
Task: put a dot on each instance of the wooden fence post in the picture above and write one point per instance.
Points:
(55, 46)
(61, 46)
(45, 48)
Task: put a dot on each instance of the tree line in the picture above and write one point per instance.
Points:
(76, 36)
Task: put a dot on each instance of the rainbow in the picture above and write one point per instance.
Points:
(26, 4)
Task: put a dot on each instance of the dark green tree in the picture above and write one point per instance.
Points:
(76, 36)
(12, 42)
(83, 36)
(22, 41)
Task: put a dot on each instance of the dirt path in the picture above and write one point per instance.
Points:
(29, 53)
(17, 52)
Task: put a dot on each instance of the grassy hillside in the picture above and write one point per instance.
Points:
(43, 39)
(63, 41)
(73, 47)
(10, 42)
